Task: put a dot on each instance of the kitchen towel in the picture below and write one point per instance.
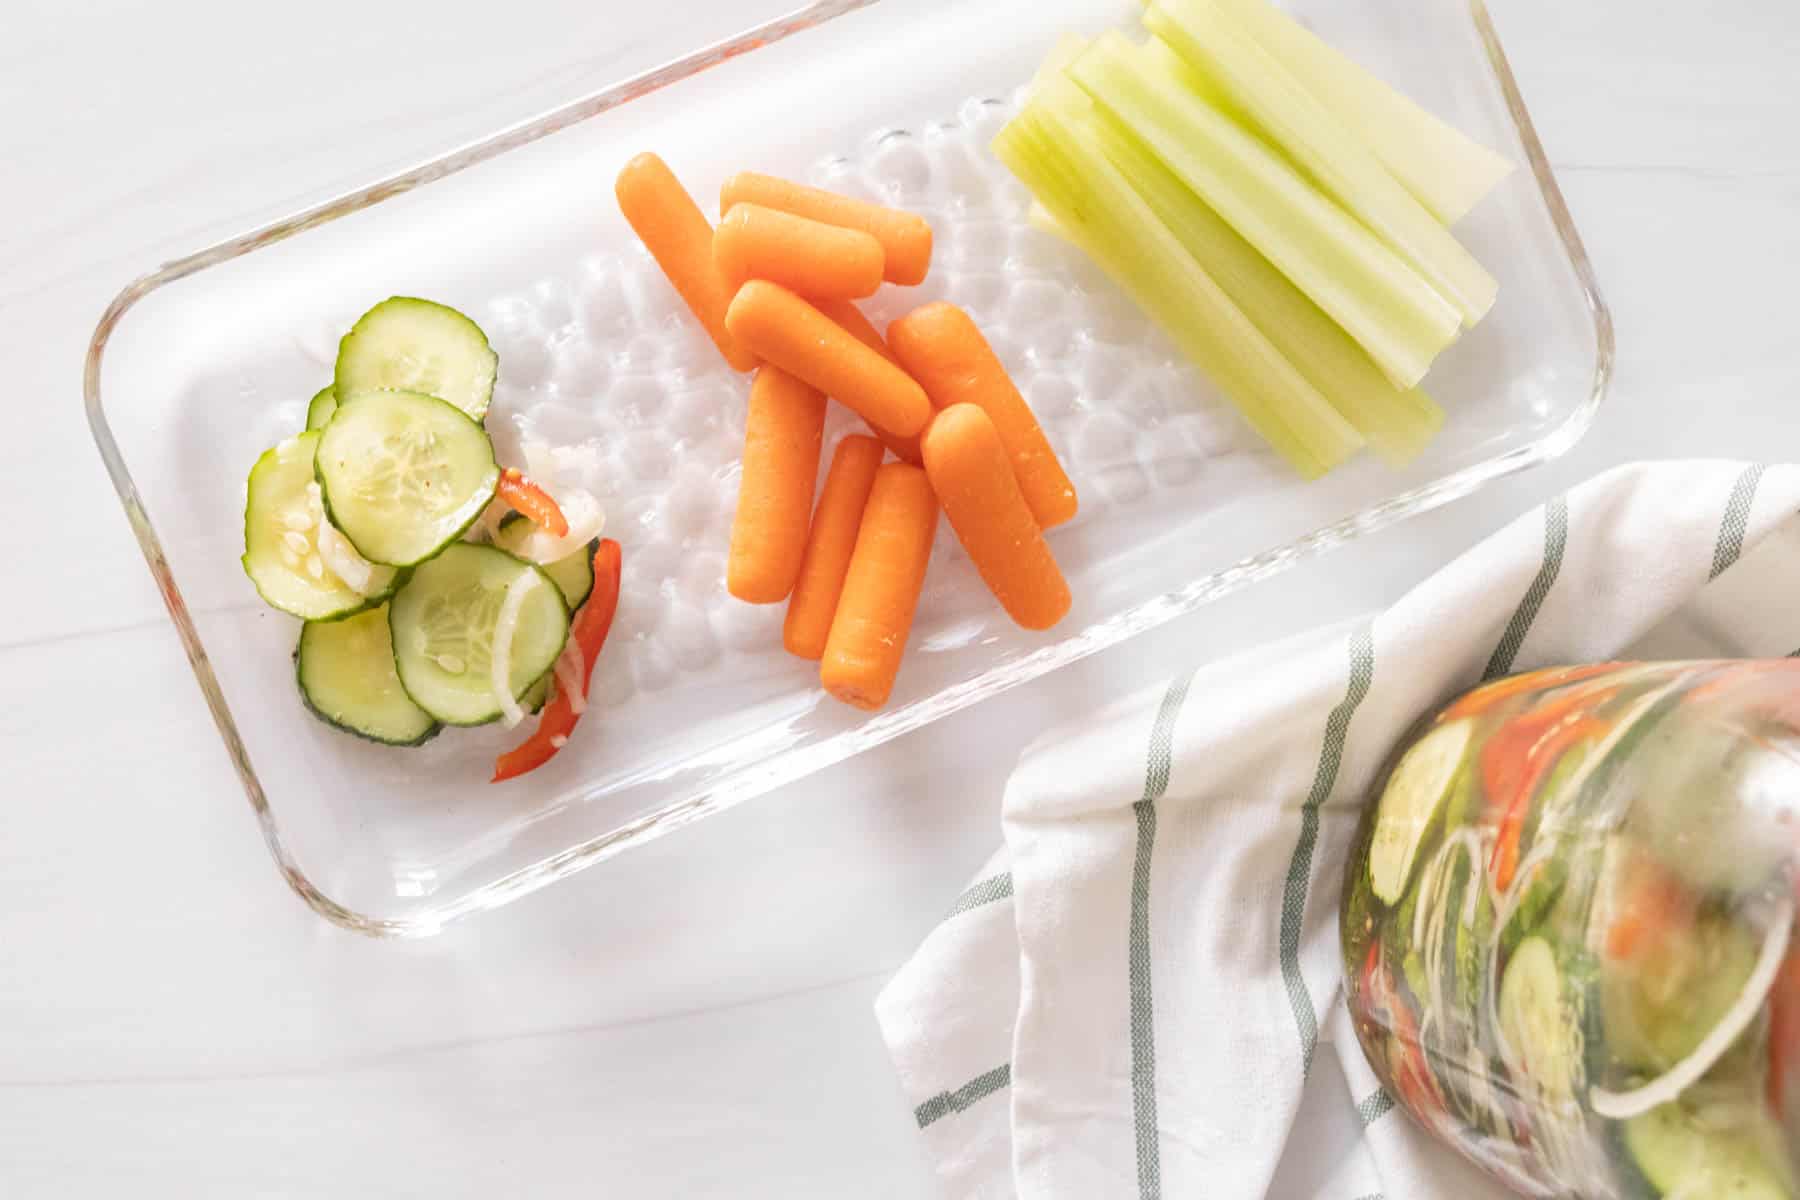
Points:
(1128, 999)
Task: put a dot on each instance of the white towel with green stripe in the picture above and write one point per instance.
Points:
(1128, 1001)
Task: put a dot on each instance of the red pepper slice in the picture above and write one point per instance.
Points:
(1417, 1086)
(1784, 1029)
(532, 502)
(589, 631)
(1652, 904)
(1488, 695)
(1514, 763)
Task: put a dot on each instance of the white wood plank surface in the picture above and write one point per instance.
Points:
(693, 1019)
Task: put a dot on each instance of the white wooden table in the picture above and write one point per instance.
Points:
(695, 1018)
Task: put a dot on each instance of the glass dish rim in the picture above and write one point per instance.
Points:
(758, 778)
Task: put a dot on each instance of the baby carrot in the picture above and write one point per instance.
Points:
(881, 589)
(774, 324)
(678, 236)
(941, 348)
(968, 469)
(904, 236)
(782, 435)
(829, 545)
(863, 330)
(817, 260)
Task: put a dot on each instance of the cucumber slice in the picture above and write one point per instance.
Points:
(346, 674)
(1736, 1155)
(574, 574)
(403, 474)
(443, 624)
(320, 408)
(1657, 1009)
(410, 345)
(1542, 1031)
(281, 540)
(1411, 805)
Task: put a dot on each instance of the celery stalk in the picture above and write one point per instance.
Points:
(1394, 314)
(1048, 147)
(1445, 169)
(1323, 146)
(1396, 423)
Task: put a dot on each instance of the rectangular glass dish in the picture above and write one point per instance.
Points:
(198, 367)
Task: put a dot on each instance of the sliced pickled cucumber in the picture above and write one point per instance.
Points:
(411, 345)
(1733, 1155)
(1542, 1030)
(320, 408)
(1412, 805)
(346, 674)
(281, 539)
(443, 624)
(574, 574)
(403, 473)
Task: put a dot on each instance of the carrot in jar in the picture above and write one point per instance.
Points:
(905, 237)
(881, 589)
(819, 261)
(969, 471)
(863, 330)
(782, 436)
(829, 545)
(779, 327)
(680, 238)
(940, 346)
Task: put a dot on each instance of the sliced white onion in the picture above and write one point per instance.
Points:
(569, 669)
(505, 626)
(1667, 1087)
(586, 520)
(341, 558)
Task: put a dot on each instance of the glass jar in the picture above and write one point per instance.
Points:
(1566, 929)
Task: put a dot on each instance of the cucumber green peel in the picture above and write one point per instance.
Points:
(1051, 148)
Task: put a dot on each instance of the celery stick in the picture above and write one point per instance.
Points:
(1398, 424)
(1399, 318)
(1324, 146)
(1445, 169)
(1047, 147)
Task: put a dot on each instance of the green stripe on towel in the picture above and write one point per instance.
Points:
(1737, 520)
(1376, 1105)
(994, 887)
(945, 1103)
(1556, 541)
(1293, 905)
(1160, 762)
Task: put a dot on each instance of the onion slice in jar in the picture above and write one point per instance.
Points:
(1667, 1087)
(500, 664)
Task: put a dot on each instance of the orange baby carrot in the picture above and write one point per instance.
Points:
(817, 260)
(881, 589)
(905, 237)
(829, 545)
(678, 236)
(774, 324)
(941, 348)
(782, 434)
(863, 330)
(969, 471)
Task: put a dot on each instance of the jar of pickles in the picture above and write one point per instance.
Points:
(1567, 929)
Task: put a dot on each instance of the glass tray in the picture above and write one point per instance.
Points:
(199, 366)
